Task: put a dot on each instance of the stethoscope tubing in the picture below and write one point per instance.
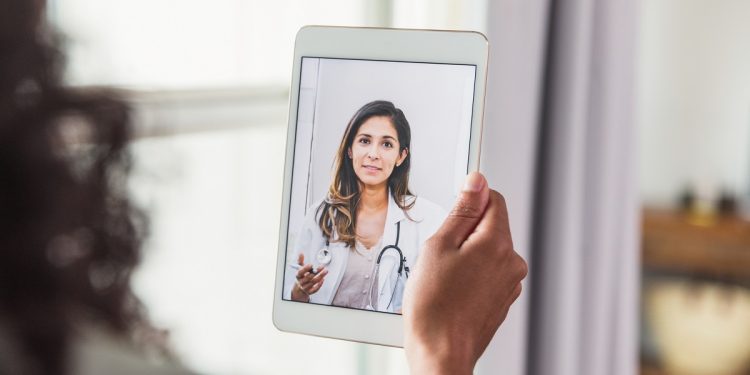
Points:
(401, 267)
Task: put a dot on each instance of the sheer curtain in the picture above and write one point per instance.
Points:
(560, 111)
(516, 30)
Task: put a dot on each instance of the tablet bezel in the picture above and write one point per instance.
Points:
(421, 46)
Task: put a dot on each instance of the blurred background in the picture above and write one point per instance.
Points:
(694, 124)
(209, 82)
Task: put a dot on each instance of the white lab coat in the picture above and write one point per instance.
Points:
(426, 218)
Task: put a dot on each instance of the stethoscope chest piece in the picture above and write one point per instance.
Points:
(324, 256)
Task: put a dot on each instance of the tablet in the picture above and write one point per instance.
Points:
(384, 125)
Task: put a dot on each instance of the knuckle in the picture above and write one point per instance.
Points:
(465, 209)
(497, 197)
(498, 200)
(490, 238)
(498, 245)
(522, 267)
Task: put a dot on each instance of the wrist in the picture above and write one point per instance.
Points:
(438, 360)
(299, 295)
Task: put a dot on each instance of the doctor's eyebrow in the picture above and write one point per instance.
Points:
(384, 137)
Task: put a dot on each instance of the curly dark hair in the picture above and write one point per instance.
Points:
(69, 237)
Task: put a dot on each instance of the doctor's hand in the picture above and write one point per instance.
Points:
(468, 276)
(307, 282)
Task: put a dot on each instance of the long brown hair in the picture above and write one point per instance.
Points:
(69, 236)
(338, 212)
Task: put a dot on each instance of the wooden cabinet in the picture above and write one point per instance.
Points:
(679, 243)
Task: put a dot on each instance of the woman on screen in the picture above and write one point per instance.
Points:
(357, 247)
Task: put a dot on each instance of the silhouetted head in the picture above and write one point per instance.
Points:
(69, 237)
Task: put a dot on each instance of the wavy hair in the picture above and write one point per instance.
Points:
(337, 215)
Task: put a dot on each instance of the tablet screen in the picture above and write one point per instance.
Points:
(380, 150)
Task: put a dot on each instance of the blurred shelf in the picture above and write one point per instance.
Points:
(713, 247)
(649, 370)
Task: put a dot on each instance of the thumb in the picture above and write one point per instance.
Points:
(301, 259)
(467, 211)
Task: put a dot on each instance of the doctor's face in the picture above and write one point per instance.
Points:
(375, 151)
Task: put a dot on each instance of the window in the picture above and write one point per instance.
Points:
(187, 44)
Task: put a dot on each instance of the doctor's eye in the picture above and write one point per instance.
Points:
(388, 144)
(364, 141)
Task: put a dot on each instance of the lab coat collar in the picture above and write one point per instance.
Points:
(395, 213)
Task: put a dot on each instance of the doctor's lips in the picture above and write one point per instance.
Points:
(372, 168)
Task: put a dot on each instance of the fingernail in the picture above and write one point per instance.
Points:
(474, 182)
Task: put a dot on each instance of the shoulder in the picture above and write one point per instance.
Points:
(314, 211)
(308, 225)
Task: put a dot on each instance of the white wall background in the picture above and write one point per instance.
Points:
(694, 97)
(436, 99)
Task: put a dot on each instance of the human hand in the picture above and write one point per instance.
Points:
(307, 282)
(469, 276)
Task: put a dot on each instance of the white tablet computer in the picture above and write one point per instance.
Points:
(384, 125)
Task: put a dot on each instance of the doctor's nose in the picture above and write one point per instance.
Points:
(373, 154)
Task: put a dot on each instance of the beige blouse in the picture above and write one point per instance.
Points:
(358, 282)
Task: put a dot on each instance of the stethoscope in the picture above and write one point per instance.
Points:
(324, 258)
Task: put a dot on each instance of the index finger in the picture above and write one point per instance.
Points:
(303, 271)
